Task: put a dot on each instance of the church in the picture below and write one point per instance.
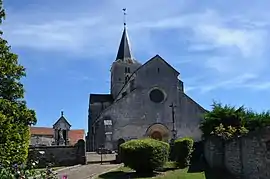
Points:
(145, 100)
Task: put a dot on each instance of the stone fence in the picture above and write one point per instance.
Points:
(59, 155)
(246, 157)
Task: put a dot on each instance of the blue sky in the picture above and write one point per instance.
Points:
(221, 49)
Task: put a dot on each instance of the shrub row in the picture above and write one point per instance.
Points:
(147, 155)
(144, 155)
(183, 149)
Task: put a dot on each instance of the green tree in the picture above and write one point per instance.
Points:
(228, 122)
(224, 121)
(15, 117)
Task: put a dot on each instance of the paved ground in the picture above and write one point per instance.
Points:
(94, 157)
(87, 171)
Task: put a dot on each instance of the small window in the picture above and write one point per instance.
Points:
(107, 122)
(127, 70)
(108, 128)
(158, 70)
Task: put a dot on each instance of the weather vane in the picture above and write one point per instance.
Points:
(125, 14)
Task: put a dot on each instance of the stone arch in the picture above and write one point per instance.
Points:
(158, 131)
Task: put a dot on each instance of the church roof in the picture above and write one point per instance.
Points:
(156, 57)
(94, 98)
(124, 51)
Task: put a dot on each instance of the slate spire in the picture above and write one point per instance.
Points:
(124, 51)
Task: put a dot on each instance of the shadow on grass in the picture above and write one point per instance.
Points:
(169, 166)
(124, 175)
(197, 166)
(210, 173)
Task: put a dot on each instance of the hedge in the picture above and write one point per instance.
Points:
(182, 149)
(144, 155)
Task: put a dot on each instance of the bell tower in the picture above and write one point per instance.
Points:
(124, 64)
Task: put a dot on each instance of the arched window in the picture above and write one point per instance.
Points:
(127, 70)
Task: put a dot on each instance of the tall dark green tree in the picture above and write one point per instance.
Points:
(15, 117)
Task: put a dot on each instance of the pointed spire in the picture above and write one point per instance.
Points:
(124, 51)
(62, 113)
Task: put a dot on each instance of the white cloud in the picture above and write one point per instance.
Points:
(243, 39)
(77, 34)
(237, 42)
(248, 81)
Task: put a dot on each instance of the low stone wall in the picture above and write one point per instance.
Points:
(247, 157)
(59, 155)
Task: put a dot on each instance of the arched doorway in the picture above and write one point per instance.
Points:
(156, 135)
(159, 132)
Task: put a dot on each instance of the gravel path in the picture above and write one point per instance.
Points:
(87, 171)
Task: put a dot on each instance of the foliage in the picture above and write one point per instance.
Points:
(15, 134)
(183, 149)
(228, 122)
(228, 132)
(25, 171)
(15, 117)
(144, 155)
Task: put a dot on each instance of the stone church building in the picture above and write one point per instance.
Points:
(145, 100)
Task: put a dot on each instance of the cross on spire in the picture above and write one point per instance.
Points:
(125, 14)
(124, 51)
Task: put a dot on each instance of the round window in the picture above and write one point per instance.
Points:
(156, 96)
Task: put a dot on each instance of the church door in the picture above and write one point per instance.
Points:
(156, 135)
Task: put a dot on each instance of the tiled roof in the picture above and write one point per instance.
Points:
(41, 131)
(73, 135)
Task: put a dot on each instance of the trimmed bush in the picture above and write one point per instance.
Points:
(182, 151)
(144, 155)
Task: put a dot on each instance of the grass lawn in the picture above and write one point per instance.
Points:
(125, 173)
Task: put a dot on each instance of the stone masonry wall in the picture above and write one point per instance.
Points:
(248, 156)
(213, 152)
(232, 156)
(59, 155)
